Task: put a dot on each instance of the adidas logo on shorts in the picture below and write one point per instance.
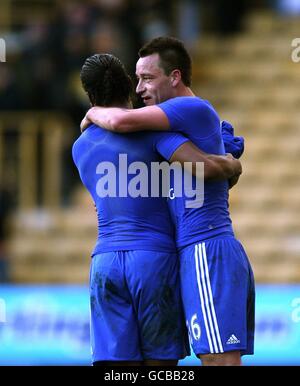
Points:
(233, 340)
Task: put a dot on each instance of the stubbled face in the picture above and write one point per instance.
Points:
(154, 86)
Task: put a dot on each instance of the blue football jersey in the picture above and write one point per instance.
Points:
(197, 120)
(111, 164)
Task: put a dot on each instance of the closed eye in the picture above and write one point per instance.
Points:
(144, 77)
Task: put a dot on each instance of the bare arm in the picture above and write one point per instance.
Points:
(216, 167)
(127, 120)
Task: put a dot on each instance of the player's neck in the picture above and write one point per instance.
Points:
(126, 105)
(183, 90)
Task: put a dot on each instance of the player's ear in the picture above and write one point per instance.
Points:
(175, 77)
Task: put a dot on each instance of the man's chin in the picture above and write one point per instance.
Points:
(149, 102)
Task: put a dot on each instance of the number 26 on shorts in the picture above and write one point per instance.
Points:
(193, 329)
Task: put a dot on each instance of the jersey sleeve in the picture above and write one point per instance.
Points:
(167, 143)
(232, 143)
(191, 116)
(75, 152)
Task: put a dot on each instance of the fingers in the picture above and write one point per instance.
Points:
(233, 181)
(84, 124)
(229, 155)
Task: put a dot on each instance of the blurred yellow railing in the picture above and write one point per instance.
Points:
(14, 13)
(37, 133)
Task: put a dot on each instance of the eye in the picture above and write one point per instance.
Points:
(144, 78)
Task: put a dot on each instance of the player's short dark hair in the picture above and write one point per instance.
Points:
(104, 78)
(173, 56)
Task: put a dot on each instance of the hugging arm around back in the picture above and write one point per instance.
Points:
(153, 118)
(121, 120)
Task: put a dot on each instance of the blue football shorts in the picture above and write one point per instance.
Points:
(218, 295)
(136, 308)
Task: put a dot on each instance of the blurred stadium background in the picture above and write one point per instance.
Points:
(242, 53)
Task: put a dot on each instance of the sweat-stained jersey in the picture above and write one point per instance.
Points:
(109, 162)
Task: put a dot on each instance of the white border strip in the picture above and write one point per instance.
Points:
(207, 300)
(216, 326)
(202, 299)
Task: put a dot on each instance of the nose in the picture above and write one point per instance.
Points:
(140, 88)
